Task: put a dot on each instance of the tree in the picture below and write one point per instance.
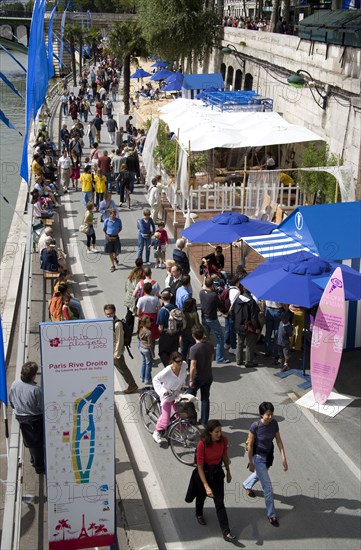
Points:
(177, 28)
(317, 185)
(62, 525)
(275, 15)
(93, 38)
(125, 42)
(70, 34)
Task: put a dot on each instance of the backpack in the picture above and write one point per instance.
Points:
(128, 326)
(225, 302)
(109, 104)
(176, 321)
(141, 290)
(255, 424)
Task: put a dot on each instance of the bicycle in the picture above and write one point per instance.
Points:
(181, 434)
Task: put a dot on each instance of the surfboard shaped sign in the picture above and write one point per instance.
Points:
(327, 338)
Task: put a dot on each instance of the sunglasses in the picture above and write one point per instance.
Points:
(178, 360)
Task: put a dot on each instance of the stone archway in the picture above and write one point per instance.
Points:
(229, 81)
(248, 82)
(238, 80)
(223, 71)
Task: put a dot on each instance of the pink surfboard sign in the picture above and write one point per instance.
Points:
(327, 338)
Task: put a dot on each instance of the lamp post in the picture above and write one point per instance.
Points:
(298, 81)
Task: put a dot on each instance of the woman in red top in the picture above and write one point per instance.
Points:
(211, 453)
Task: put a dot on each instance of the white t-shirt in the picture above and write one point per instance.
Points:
(148, 304)
(64, 163)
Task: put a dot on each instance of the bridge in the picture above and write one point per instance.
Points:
(15, 28)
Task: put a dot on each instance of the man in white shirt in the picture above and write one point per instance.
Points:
(154, 199)
(64, 164)
(230, 338)
(48, 232)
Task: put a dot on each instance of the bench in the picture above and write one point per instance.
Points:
(46, 221)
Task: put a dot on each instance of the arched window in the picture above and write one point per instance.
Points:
(223, 70)
(248, 82)
(238, 80)
(229, 77)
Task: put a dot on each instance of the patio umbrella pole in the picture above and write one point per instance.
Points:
(231, 259)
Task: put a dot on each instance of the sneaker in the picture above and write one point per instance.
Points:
(223, 361)
(157, 437)
(94, 250)
(285, 368)
(148, 382)
(226, 346)
(147, 263)
(232, 351)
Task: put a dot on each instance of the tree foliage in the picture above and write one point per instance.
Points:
(177, 28)
(125, 42)
(319, 184)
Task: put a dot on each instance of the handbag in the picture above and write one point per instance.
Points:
(83, 228)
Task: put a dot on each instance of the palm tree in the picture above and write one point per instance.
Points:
(93, 37)
(100, 529)
(125, 42)
(92, 526)
(275, 14)
(71, 33)
(63, 524)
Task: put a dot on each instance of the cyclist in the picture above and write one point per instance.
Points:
(168, 384)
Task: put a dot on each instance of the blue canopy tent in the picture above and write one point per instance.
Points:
(331, 231)
(193, 84)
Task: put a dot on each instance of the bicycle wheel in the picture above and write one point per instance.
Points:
(183, 438)
(149, 410)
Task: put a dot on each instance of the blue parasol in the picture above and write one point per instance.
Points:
(226, 228)
(161, 75)
(159, 64)
(140, 73)
(299, 280)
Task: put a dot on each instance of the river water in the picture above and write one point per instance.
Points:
(11, 143)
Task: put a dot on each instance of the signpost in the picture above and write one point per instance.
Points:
(78, 388)
(327, 338)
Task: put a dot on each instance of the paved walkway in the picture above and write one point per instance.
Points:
(317, 500)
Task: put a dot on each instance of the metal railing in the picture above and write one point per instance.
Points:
(11, 528)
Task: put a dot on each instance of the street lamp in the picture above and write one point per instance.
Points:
(229, 49)
(298, 81)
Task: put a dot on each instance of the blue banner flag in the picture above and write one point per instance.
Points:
(62, 25)
(3, 387)
(11, 85)
(50, 43)
(6, 121)
(37, 77)
(13, 57)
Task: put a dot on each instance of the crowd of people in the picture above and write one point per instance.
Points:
(168, 323)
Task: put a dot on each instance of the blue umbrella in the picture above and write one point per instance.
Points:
(174, 82)
(160, 63)
(161, 75)
(140, 73)
(174, 77)
(172, 86)
(226, 228)
(295, 281)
